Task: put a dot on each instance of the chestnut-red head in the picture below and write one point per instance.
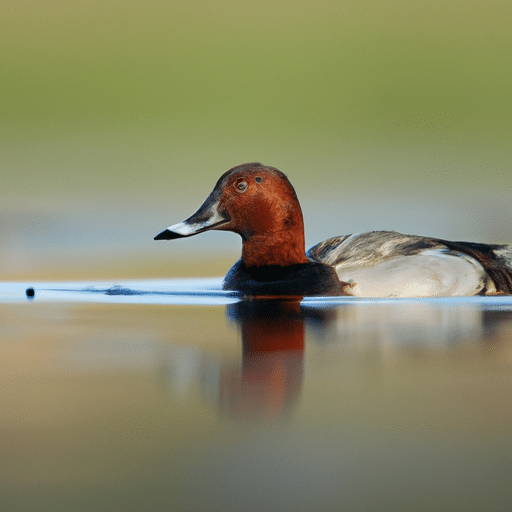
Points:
(258, 203)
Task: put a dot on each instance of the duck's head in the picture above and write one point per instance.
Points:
(258, 203)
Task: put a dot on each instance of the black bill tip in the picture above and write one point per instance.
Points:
(167, 235)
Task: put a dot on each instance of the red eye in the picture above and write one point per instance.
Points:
(241, 186)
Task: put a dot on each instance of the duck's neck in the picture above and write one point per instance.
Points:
(281, 248)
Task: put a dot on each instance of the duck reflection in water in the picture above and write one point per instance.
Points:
(266, 386)
(269, 385)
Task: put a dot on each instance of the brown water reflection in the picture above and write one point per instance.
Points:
(269, 383)
(260, 405)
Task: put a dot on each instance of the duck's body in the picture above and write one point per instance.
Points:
(260, 204)
(389, 264)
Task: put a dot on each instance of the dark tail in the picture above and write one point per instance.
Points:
(495, 259)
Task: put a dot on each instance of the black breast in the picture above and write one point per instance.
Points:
(303, 279)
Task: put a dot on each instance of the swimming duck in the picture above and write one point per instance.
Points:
(260, 204)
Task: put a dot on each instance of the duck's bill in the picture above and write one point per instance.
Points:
(206, 218)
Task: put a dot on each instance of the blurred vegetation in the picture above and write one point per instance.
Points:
(121, 102)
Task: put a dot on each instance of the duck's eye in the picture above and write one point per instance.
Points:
(241, 186)
(258, 179)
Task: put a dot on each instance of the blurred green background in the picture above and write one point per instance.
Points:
(117, 118)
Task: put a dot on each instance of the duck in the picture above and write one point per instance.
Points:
(259, 203)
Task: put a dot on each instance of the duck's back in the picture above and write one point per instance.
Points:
(390, 264)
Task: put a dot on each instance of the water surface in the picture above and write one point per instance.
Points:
(174, 395)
